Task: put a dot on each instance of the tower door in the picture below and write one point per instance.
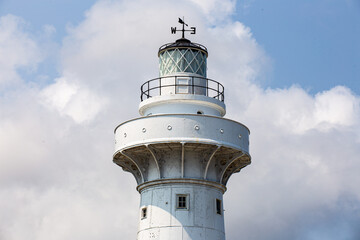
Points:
(183, 85)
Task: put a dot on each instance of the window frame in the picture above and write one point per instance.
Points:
(178, 207)
(144, 213)
(218, 206)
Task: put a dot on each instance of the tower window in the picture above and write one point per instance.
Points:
(182, 201)
(143, 212)
(218, 207)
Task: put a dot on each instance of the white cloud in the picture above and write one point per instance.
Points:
(17, 50)
(56, 175)
(73, 100)
(305, 161)
(296, 111)
(246, 61)
(336, 107)
(216, 10)
(49, 30)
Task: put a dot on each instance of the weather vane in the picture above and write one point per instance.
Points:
(192, 30)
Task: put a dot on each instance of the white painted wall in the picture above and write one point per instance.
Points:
(165, 222)
(183, 104)
(181, 145)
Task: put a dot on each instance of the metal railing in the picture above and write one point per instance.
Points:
(165, 85)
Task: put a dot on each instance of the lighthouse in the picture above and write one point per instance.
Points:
(181, 150)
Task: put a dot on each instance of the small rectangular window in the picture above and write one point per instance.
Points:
(182, 201)
(218, 207)
(143, 212)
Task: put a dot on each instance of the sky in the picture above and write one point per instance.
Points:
(70, 72)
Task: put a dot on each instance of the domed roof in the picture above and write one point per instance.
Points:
(183, 43)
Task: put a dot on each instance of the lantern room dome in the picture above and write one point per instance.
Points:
(183, 43)
(182, 56)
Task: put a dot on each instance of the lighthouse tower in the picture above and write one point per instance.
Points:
(181, 150)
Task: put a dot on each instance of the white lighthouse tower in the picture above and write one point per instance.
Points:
(181, 150)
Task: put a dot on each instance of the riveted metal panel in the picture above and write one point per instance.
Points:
(182, 128)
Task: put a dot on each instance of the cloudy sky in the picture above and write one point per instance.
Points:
(70, 71)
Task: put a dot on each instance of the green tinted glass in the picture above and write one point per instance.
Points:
(180, 60)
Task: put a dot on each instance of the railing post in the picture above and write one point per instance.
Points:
(175, 84)
(207, 87)
(192, 83)
(148, 89)
(159, 86)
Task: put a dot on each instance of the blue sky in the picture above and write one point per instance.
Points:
(70, 71)
(310, 43)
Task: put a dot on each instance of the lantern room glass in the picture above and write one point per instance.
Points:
(182, 60)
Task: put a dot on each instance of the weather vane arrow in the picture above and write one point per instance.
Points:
(192, 30)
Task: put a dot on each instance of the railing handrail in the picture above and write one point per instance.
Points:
(148, 91)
